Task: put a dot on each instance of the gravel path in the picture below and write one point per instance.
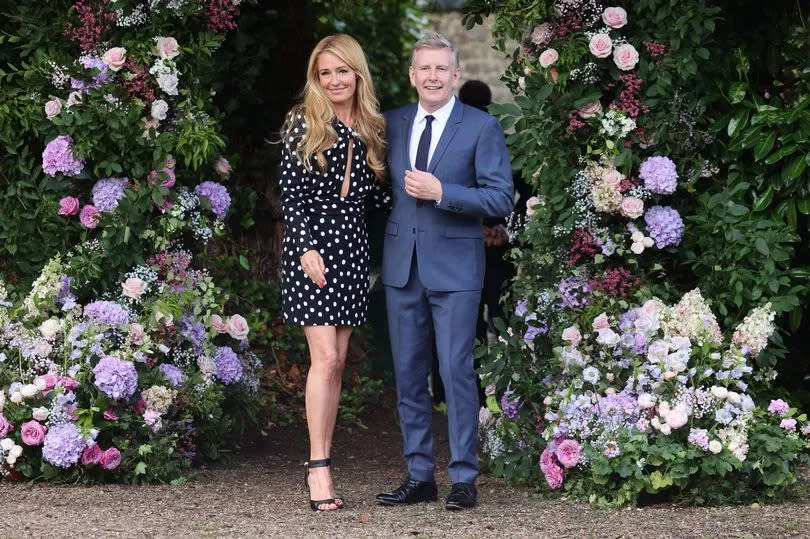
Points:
(261, 495)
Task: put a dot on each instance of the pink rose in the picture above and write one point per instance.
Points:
(676, 418)
(68, 206)
(91, 455)
(110, 459)
(223, 167)
(33, 433)
(568, 453)
(541, 34)
(548, 57)
(170, 180)
(46, 382)
(601, 322)
(115, 58)
(237, 327)
(625, 57)
(68, 383)
(613, 178)
(89, 216)
(572, 335)
(218, 324)
(133, 287)
(547, 458)
(632, 207)
(615, 17)
(600, 45)
(554, 476)
(167, 47)
(53, 108)
(109, 414)
(5, 426)
(590, 110)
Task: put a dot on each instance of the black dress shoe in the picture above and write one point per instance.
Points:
(411, 491)
(462, 496)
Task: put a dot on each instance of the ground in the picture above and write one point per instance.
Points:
(260, 494)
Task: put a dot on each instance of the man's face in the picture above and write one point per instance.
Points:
(434, 76)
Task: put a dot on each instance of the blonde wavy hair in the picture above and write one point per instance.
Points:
(319, 114)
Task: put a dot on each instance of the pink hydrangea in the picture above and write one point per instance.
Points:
(778, 407)
(58, 158)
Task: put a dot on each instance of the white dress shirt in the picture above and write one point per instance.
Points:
(440, 118)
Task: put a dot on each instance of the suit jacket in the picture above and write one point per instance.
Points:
(473, 166)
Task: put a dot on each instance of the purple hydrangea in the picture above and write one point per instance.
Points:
(63, 445)
(107, 192)
(521, 307)
(700, 438)
(788, 424)
(510, 404)
(58, 157)
(102, 77)
(664, 225)
(229, 368)
(532, 332)
(573, 292)
(116, 378)
(217, 196)
(194, 332)
(778, 407)
(172, 373)
(659, 175)
(65, 298)
(106, 312)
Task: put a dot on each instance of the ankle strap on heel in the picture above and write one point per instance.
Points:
(321, 463)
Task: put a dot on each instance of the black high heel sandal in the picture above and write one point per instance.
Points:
(315, 504)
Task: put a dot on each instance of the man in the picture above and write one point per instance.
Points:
(449, 169)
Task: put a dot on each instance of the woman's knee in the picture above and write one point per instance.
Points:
(329, 361)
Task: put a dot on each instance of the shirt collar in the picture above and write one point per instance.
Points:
(441, 115)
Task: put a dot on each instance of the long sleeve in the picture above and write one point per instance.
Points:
(294, 196)
(380, 196)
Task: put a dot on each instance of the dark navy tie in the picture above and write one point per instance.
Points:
(423, 149)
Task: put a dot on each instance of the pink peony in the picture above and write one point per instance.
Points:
(554, 476)
(110, 459)
(615, 17)
(625, 57)
(46, 382)
(569, 453)
(89, 216)
(600, 45)
(115, 58)
(572, 335)
(33, 433)
(218, 324)
(548, 57)
(632, 207)
(68, 206)
(237, 327)
(109, 414)
(5, 426)
(91, 455)
(133, 287)
(167, 47)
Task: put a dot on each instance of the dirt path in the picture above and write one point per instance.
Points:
(261, 495)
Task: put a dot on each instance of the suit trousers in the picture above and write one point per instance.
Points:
(412, 310)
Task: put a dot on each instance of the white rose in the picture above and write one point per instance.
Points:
(159, 109)
(522, 83)
(571, 334)
(719, 392)
(669, 375)
(74, 98)
(637, 236)
(168, 83)
(715, 446)
(610, 376)
(633, 208)
(40, 414)
(115, 58)
(610, 391)
(206, 365)
(165, 319)
(11, 460)
(600, 45)
(625, 57)
(6, 444)
(615, 17)
(29, 390)
(167, 47)
(49, 328)
(16, 397)
(647, 242)
(53, 108)
(530, 206)
(608, 337)
(15, 451)
(676, 419)
(548, 57)
(645, 400)
(547, 401)
(237, 327)
(733, 397)
(666, 430)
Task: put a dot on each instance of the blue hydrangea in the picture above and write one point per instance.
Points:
(229, 368)
(659, 174)
(63, 445)
(107, 192)
(510, 404)
(103, 76)
(106, 312)
(664, 225)
(194, 332)
(217, 196)
(116, 378)
(172, 373)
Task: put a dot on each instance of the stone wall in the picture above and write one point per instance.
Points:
(477, 57)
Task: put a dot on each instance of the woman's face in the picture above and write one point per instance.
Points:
(338, 80)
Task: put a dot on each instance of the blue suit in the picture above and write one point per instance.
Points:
(433, 272)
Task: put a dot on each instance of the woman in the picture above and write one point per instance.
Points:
(332, 168)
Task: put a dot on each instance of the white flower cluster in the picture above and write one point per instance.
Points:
(159, 398)
(136, 17)
(166, 75)
(59, 75)
(616, 124)
(46, 285)
(735, 436)
(755, 330)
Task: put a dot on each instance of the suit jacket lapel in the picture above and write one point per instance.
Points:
(447, 135)
(407, 128)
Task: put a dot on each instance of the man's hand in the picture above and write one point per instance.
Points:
(495, 236)
(423, 185)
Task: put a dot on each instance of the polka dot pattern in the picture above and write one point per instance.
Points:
(317, 217)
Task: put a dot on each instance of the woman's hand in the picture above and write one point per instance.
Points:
(312, 264)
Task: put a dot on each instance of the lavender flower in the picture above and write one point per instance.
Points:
(659, 175)
(664, 225)
(520, 308)
(612, 450)
(573, 292)
(63, 445)
(229, 368)
(217, 196)
(58, 157)
(106, 312)
(116, 378)
(172, 373)
(788, 424)
(778, 407)
(107, 192)
(194, 332)
(510, 404)
(102, 77)
(532, 332)
(700, 438)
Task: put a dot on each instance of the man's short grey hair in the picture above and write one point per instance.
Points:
(434, 40)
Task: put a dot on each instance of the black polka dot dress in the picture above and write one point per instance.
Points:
(317, 217)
